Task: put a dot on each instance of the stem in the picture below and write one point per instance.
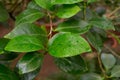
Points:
(100, 65)
(113, 52)
(114, 12)
(51, 25)
(84, 12)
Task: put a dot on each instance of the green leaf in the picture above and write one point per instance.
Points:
(67, 11)
(3, 13)
(26, 29)
(33, 5)
(73, 65)
(73, 26)
(30, 30)
(24, 43)
(46, 4)
(108, 60)
(29, 62)
(67, 44)
(7, 56)
(65, 1)
(91, 76)
(3, 43)
(95, 40)
(7, 74)
(115, 72)
(28, 16)
(30, 75)
(91, 1)
(102, 23)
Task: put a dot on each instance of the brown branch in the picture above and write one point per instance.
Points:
(113, 52)
(100, 65)
(53, 24)
(112, 13)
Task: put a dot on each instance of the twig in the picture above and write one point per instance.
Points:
(101, 67)
(113, 52)
(84, 10)
(113, 12)
(51, 25)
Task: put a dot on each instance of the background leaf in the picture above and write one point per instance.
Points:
(90, 76)
(7, 74)
(95, 40)
(102, 23)
(3, 43)
(108, 60)
(30, 75)
(67, 11)
(7, 56)
(3, 13)
(29, 62)
(115, 72)
(73, 26)
(73, 65)
(67, 44)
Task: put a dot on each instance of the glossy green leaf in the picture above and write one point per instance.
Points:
(29, 62)
(26, 29)
(73, 65)
(7, 74)
(115, 72)
(67, 11)
(91, 76)
(102, 23)
(65, 1)
(46, 4)
(30, 75)
(108, 60)
(3, 13)
(3, 43)
(30, 30)
(73, 26)
(24, 43)
(28, 16)
(95, 40)
(67, 44)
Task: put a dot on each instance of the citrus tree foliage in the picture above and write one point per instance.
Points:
(68, 30)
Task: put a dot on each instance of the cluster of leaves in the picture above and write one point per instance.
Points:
(66, 45)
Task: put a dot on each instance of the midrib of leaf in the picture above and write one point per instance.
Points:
(67, 28)
(30, 43)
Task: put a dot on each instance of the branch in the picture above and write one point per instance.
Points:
(53, 24)
(101, 66)
(113, 52)
(112, 13)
